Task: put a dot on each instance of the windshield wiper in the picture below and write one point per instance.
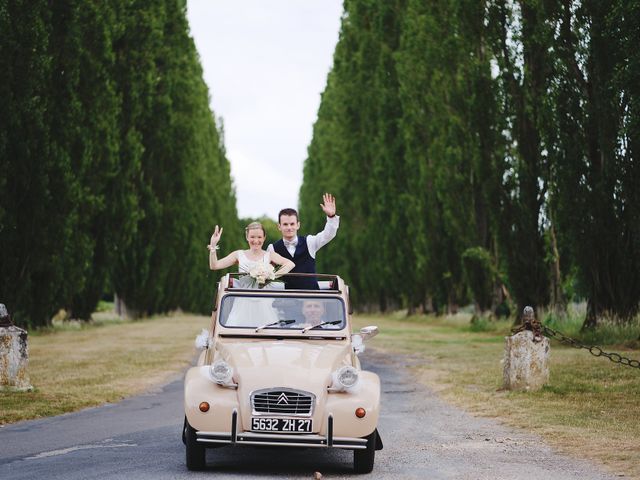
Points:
(332, 322)
(279, 322)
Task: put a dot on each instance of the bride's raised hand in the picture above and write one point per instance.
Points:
(215, 238)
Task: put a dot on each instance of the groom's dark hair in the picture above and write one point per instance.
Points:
(288, 211)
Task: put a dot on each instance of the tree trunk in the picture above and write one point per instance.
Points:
(558, 300)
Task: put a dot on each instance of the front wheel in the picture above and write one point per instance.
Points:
(363, 459)
(195, 451)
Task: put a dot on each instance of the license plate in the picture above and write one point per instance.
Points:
(285, 425)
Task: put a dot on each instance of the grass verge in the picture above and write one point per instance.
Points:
(76, 365)
(590, 407)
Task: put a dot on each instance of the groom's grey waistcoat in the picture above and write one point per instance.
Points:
(305, 263)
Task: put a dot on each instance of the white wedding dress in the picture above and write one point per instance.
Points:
(245, 265)
(251, 311)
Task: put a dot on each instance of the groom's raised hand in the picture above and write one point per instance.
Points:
(329, 205)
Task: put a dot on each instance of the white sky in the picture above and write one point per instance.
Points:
(266, 64)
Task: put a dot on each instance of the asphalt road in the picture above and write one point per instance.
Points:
(140, 438)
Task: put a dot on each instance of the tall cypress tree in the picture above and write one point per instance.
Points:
(185, 185)
(86, 129)
(448, 102)
(38, 187)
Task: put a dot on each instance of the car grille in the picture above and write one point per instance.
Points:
(282, 401)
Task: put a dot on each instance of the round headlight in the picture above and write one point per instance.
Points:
(221, 372)
(347, 377)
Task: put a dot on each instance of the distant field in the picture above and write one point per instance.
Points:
(590, 407)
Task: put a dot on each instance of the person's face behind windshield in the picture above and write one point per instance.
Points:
(312, 310)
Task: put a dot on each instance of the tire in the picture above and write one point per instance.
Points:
(195, 451)
(363, 459)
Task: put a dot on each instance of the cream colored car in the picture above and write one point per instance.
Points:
(280, 368)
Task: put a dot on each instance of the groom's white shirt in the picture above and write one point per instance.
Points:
(316, 242)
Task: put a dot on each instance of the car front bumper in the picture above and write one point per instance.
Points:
(278, 439)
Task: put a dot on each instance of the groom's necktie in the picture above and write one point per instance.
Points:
(291, 245)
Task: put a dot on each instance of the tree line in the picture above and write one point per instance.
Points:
(112, 164)
(483, 152)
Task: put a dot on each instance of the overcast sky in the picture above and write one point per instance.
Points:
(266, 64)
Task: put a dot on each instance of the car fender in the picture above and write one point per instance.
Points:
(342, 407)
(198, 387)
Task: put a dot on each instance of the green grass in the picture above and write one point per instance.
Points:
(105, 306)
(608, 333)
(589, 408)
(75, 365)
(483, 324)
(104, 316)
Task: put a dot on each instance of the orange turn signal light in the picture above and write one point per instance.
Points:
(204, 407)
(360, 412)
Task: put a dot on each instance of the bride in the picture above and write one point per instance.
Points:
(248, 259)
(250, 311)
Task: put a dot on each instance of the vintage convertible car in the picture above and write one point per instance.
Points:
(280, 368)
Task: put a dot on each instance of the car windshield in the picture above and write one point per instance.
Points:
(290, 313)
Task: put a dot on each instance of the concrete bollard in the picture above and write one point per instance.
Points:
(526, 357)
(14, 355)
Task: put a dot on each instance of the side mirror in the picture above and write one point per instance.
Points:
(358, 339)
(368, 332)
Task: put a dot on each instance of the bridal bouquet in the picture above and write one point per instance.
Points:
(262, 273)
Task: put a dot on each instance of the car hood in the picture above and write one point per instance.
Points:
(301, 365)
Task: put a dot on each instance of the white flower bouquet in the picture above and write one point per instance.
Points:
(202, 340)
(262, 273)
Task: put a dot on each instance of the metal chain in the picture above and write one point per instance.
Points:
(594, 350)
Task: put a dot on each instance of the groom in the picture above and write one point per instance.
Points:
(302, 249)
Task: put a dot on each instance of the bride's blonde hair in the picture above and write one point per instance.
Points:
(255, 226)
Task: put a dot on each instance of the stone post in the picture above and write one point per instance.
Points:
(14, 355)
(526, 356)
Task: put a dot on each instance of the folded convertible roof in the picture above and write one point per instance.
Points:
(328, 283)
